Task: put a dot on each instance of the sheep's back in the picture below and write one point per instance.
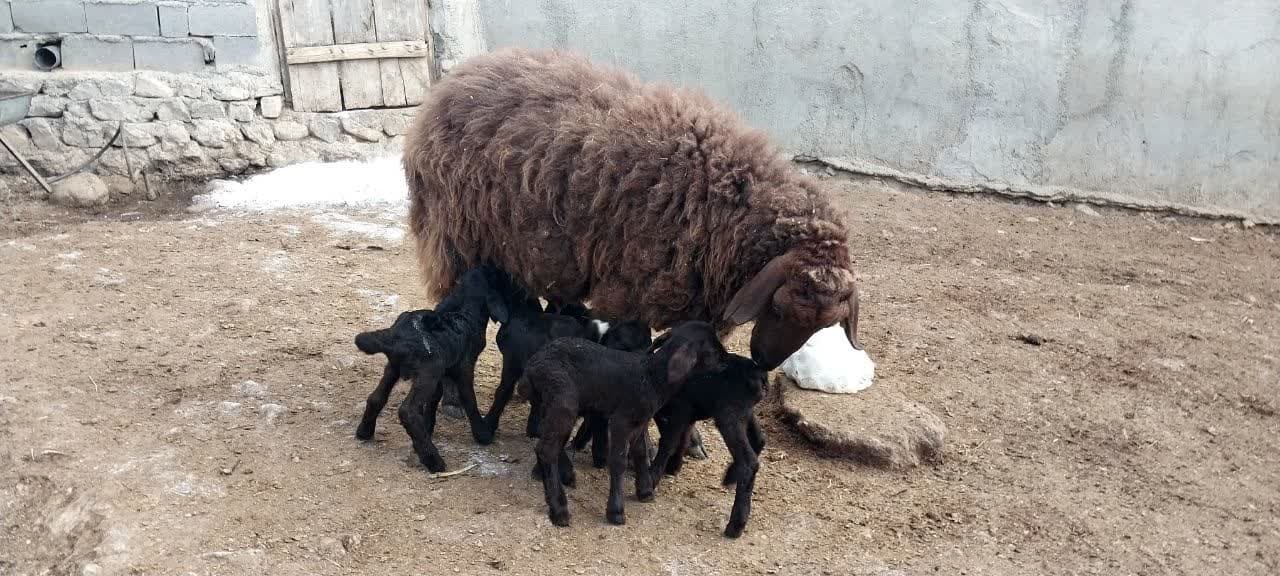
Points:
(584, 183)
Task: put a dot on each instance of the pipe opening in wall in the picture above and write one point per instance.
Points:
(48, 57)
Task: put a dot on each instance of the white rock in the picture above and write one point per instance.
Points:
(271, 412)
(251, 389)
(272, 106)
(829, 363)
(82, 189)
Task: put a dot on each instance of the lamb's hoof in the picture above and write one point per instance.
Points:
(734, 529)
(645, 496)
(616, 518)
(560, 518)
(452, 411)
(569, 480)
(483, 437)
(364, 433)
(433, 462)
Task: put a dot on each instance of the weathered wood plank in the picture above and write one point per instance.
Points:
(339, 52)
(361, 81)
(315, 87)
(402, 79)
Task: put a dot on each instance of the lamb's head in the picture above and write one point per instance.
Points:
(790, 299)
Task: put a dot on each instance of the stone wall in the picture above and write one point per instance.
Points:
(180, 126)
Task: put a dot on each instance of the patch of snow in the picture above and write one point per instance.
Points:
(391, 231)
(829, 363)
(375, 183)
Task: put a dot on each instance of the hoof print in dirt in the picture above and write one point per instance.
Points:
(877, 427)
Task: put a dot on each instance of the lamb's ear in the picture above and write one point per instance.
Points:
(850, 322)
(751, 299)
(497, 306)
(682, 361)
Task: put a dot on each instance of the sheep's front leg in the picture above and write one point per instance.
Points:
(418, 416)
(755, 435)
(506, 386)
(672, 429)
(464, 375)
(378, 400)
(620, 433)
(640, 465)
(741, 472)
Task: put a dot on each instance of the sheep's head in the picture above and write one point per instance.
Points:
(789, 300)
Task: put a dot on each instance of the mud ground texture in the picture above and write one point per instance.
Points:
(179, 394)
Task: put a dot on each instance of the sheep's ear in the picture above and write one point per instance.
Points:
(751, 299)
(497, 307)
(850, 321)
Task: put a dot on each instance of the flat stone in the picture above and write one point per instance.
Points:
(151, 85)
(259, 132)
(326, 128)
(877, 426)
(241, 111)
(82, 189)
(288, 130)
(172, 110)
(360, 130)
(272, 106)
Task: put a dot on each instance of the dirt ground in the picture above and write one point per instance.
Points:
(179, 392)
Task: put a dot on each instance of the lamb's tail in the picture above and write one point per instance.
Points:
(373, 342)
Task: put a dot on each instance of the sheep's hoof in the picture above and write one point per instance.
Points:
(484, 437)
(364, 433)
(645, 496)
(560, 518)
(569, 480)
(696, 450)
(452, 411)
(734, 529)
(617, 518)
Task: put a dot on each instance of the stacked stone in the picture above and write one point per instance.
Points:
(184, 125)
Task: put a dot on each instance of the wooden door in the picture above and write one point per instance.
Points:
(353, 54)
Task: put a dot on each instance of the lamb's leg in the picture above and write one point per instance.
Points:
(741, 472)
(620, 433)
(418, 416)
(755, 434)
(533, 427)
(510, 374)
(676, 463)
(464, 375)
(640, 465)
(378, 400)
(671, 430)
(550, 451)
(583, 436)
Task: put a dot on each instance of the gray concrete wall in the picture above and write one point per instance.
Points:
(1156, 101)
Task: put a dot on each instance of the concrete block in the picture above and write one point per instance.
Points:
(18, 54)
(230, 51)
(49, 16)
(90, 53)
(6, 18)
(222, 20)
(173, 56)
(122, 19)
(173, 20)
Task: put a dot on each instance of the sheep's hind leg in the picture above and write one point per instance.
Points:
(550, 459)
(619, 444)
(452, 406)
(640, 464)
(418, 415)
(377, 401)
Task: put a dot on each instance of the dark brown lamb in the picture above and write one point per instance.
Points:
(653, 203)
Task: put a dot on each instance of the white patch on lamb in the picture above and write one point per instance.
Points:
(829, 363)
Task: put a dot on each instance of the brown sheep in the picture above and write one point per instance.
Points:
(653, 203)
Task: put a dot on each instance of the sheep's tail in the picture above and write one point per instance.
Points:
(373, 342)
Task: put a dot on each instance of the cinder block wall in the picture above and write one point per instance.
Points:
(193, 86)
(99, 35)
